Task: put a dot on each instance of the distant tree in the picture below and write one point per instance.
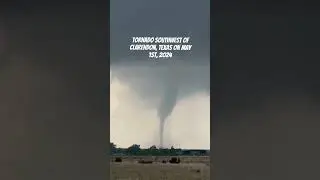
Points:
(153, 147)
(153, 150)
(113, 147)
(134, 149)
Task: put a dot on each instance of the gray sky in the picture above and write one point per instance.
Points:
(140, 86)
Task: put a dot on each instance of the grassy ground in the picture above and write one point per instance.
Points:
(190, 168)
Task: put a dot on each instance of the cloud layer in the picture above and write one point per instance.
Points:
(134, 117)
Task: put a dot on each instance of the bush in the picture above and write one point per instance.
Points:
(174, 160)
(118, 159)
(145, 162)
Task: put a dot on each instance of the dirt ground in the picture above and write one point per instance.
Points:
(190, 168)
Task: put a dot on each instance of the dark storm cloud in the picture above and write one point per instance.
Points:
(53, 94)
(168, 18)
(159, 18)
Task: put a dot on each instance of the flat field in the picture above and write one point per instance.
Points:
(190, 168)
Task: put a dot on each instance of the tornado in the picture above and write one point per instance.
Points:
(168, 101)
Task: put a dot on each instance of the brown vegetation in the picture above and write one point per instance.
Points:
(145, 162)
(141, 168)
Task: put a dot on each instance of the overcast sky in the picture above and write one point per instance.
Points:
(141, 88)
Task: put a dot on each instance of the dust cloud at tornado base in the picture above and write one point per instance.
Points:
(141, 95)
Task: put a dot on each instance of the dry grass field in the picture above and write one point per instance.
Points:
(190, 168)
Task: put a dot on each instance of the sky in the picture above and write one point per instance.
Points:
(142, 90)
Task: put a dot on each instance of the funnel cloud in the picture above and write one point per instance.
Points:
(167, 103)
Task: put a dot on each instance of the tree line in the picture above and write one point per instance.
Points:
(136, 150)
